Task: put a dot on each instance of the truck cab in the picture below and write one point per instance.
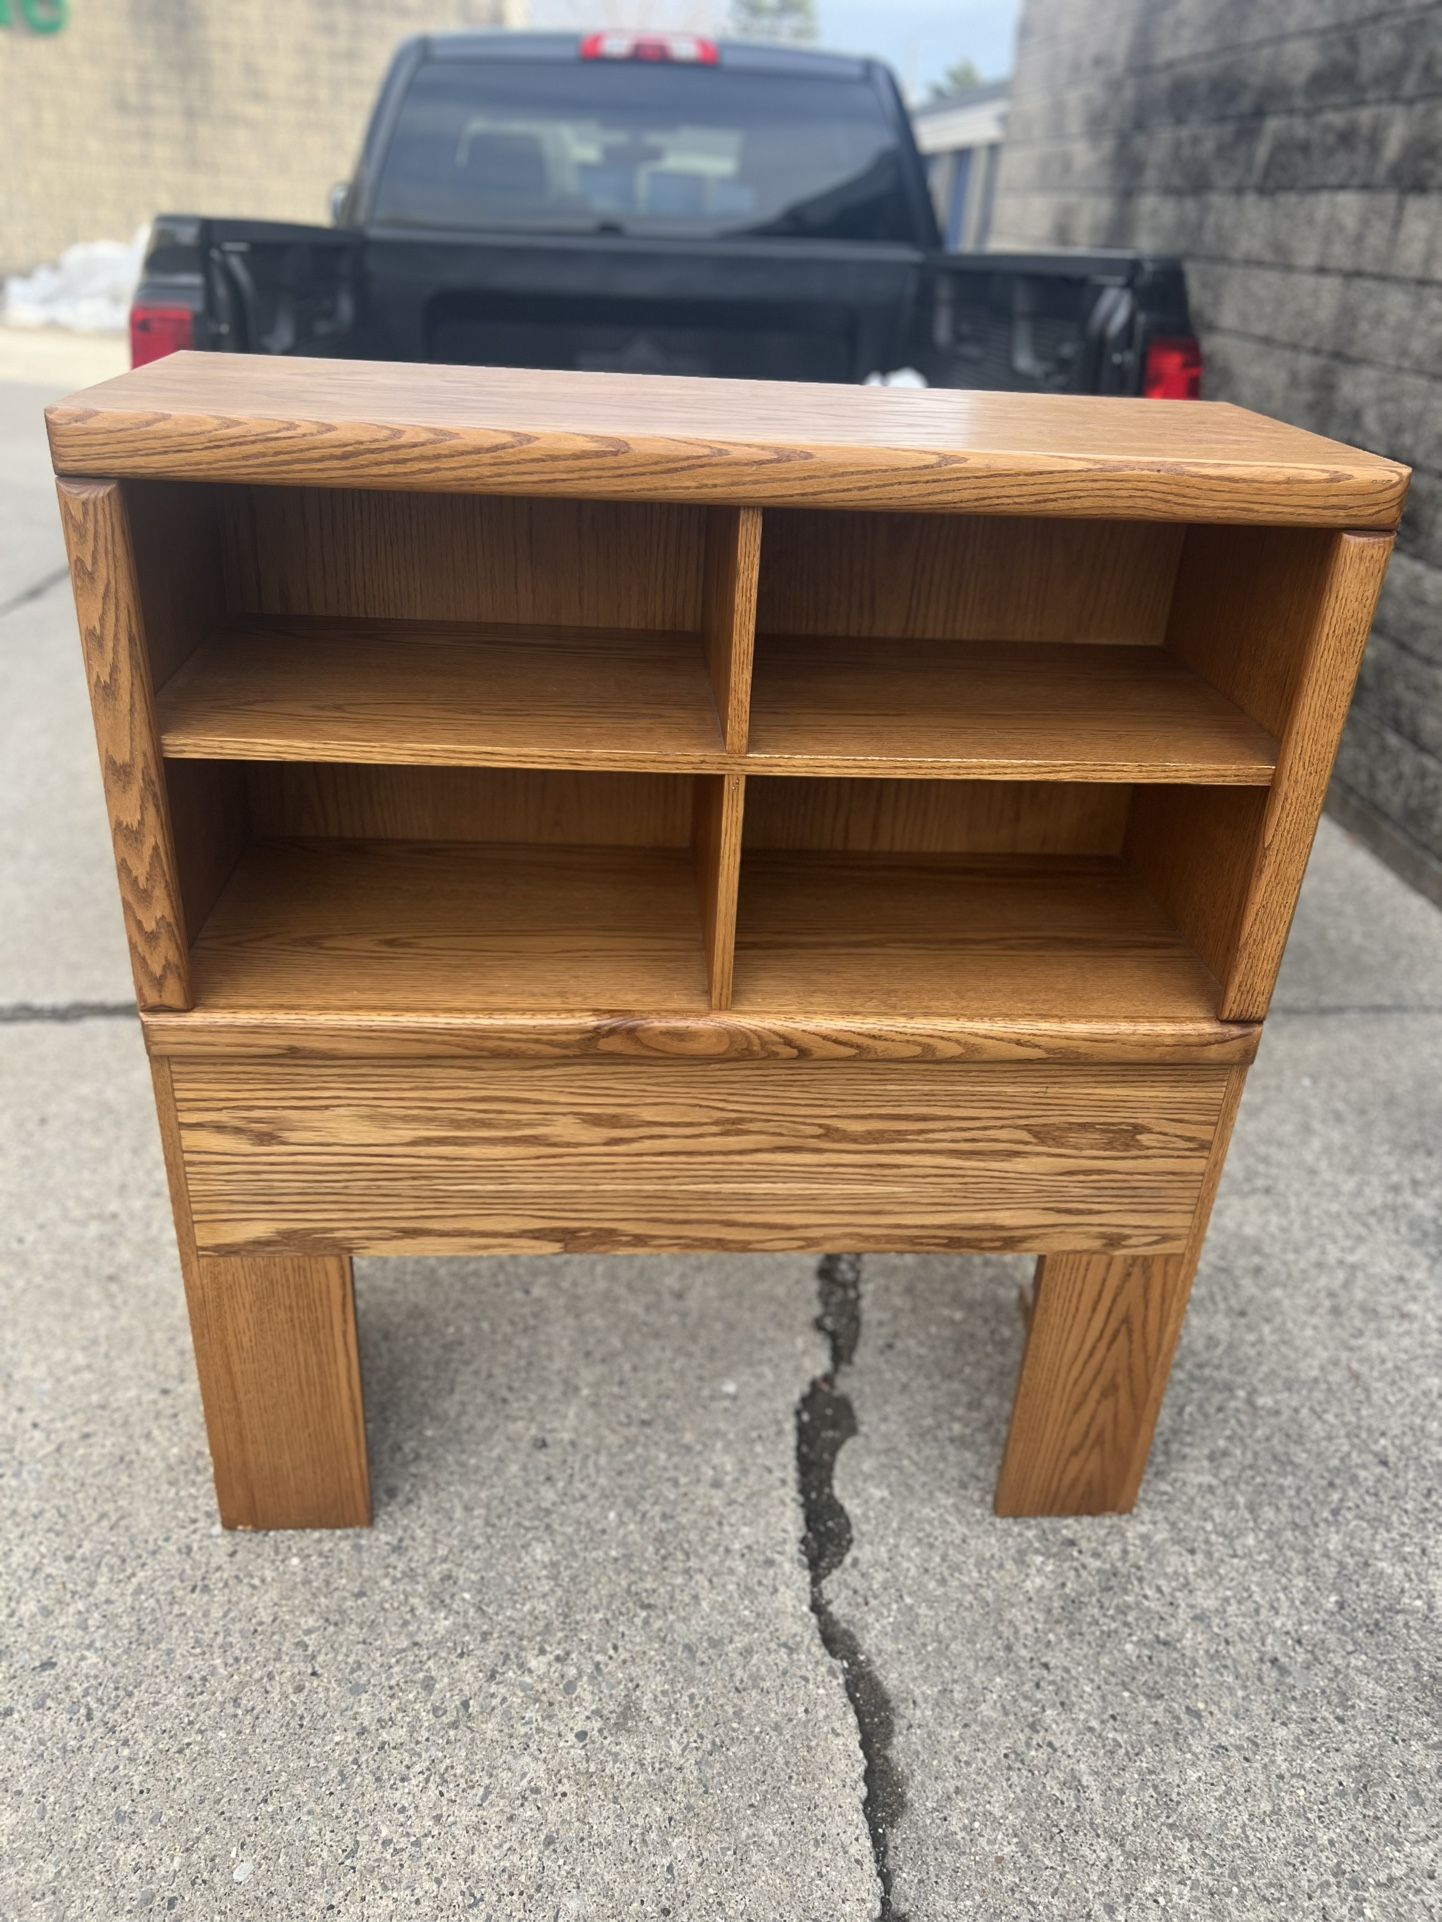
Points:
(651, 203)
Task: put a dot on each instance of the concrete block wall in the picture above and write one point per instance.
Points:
(207, 106)
(1291, 152)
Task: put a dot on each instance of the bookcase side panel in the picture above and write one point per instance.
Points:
(1246, 603)
(1195, 848)
(104, 576)
(210, 820)
(1336, 641)
(175, 532)
(1277, 619)
(175, 529)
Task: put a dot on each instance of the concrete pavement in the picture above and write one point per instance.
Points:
(574, 1671)
(36, 368)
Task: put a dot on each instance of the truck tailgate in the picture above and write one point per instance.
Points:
(825, 311)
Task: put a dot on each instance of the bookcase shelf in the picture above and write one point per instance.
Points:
(349, 928)
(975, 938)
(996, 710)
(448, 694)
(433, 927)
(326, 689)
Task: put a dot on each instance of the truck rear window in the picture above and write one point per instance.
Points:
(643, 148)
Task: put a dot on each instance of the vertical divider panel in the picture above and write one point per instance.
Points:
(728, 614)
(720, 801)
(107, 601)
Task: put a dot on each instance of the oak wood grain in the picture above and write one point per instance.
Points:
(279, 1367)
(877, 816)
(545, 1157)
(175, 538)
(996, 711)
(442, 693)
(107, 604)
(1245, 610)
(733, 556)
(1194, 850)
(359, 425)
(1101, 1338)
(717, 839)
(541, 907)
(545, 806)
(449, 557)
(1332, 655)
(1101, 1332)
(275, 1345)
(347, 928)
(957, 577)
(1283, 630)
(435, 927)
(271, 689)
(210, 828)
(970, 937)
(548, 806)
(207, 1033)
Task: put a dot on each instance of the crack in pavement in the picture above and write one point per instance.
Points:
(825, 1422)
(35, 590)
(20, 1011)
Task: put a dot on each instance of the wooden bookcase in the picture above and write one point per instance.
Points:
(578, 812)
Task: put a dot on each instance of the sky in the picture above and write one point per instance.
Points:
(919, 38)
(922, 38)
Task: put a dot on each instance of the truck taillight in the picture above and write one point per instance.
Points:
(158, 331)
(1173, 369)
(650, 46)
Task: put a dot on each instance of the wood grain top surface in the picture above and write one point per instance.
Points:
(652, 437)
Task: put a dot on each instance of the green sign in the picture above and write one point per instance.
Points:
(41, 16)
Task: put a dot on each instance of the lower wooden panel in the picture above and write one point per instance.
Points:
(494, 1156)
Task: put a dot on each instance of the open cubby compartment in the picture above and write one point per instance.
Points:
(311, 624)
(972, 900)
(999, 648)
(358, 890)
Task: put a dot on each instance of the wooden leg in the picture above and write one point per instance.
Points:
(1099, 1348)
(275, 1347)
(1101, 1334)
(279, 1366)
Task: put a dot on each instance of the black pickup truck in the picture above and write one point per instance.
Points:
(656, 203)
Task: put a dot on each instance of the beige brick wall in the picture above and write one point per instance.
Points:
(207, 106)
(1291, 154)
